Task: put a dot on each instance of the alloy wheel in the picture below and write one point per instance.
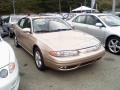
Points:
(114, 46)
(38, 59)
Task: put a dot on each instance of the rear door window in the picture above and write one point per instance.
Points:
(92, 20)
(80, 19)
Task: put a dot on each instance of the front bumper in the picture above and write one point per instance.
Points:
(10, 83)
(71, 63)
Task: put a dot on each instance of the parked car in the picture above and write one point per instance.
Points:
(8, 23)
(9, 72)
(105, 27)
(3, 17)
(68, 16)
(53, 43)
(117, 14)
(52, 14)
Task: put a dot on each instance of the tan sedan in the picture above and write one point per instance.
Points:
(54, 44)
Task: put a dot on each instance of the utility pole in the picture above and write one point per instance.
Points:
(113, 6)
(59, 6)
(13, 6)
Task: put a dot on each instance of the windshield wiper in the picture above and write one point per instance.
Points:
(63, 29)
(45, 31)
(115, 25)
(42, 31)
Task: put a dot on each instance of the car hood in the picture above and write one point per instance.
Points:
(4, 54)
(67, 40)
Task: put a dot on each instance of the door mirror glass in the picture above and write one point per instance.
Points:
(26, 30)
(99, 24)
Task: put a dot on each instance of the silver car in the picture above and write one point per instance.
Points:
(8, 23)
(105, 27)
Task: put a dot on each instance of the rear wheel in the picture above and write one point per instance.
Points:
(39, 59)
(113, 45)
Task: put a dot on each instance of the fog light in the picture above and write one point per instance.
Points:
(3, 73)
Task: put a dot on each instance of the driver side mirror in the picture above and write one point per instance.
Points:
(26, 30)
(99, 24)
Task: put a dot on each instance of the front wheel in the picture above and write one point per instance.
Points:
(39, 59)
(113, 45)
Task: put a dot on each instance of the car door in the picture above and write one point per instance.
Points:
(19, 32)
(28, 39)
(79, 23)
(98, 32)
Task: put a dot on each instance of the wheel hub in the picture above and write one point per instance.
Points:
(114, 46)
(38, 59)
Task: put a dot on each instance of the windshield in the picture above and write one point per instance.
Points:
(50, 25)
(110, 20)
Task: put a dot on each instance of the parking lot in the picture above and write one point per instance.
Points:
(103, 75)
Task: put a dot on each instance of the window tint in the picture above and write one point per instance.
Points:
(110, 20)
(49, 25)
(40, 25)
(21, 23)
(6, 20)
(27, 23)
(92, 20)
(79, 19)
(56, 24)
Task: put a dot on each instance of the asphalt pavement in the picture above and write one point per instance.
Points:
(103, 75)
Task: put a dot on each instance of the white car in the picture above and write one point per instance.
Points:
(9, 72)
(105, 27)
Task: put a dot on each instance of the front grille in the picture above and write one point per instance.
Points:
(73, 66)
(89, 62)
(67, 68)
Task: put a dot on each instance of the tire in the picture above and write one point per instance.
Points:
(10, 35)
(38, 57)
(113, 45)
(16, 42)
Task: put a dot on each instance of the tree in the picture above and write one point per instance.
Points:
(104, 4)
(5, 6)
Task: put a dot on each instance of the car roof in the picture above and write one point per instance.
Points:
(40, 16)
(4, 16)
(95, 14)
(18, 15)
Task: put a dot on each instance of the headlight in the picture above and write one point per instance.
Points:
(6, 70)
(3, 73)
(90, 49)
(64, 53)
